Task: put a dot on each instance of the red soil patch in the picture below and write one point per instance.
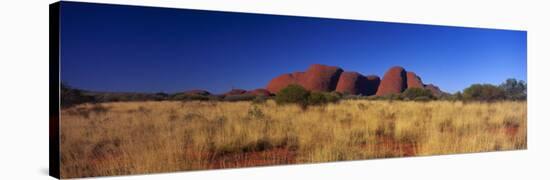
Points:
(509, 130)
(392, 147)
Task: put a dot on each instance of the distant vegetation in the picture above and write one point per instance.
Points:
(483, 92)
(296, 94)
(71, 96)
(511, 89)
(418, 94)
(514, 89)
(240, 97)
(293, 94)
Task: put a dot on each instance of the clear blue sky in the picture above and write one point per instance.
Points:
(141, 49)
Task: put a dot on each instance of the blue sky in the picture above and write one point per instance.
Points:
(141, 49)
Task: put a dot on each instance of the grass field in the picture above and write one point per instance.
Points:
(147, 137)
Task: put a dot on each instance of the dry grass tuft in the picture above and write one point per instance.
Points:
(144, 137)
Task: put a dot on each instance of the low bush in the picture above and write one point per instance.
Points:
(298, 95)
(452, 97)
(293, 94)
(514, 89)
(190, 97)
(71, 96)
(240, 97)
(260, 99)
(483, 92)
(417, 94)
(333, 97)
(317, 98)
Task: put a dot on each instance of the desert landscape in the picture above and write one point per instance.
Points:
(150, 90)
(323, 114)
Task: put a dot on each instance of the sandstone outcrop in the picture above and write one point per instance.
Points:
(373, 82)
(331, 78)
(434, 89)
(321, 78)
(351, 83)
(393, 82)
(413, 81)
(280, 82)
(235, 92)
(259, 92)
(197, 92)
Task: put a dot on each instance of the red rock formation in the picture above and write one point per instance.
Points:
(351, 82)
(373, 82)
(394, 81)
(321, 78)
(280, 82)
(413, 81)
(235, 92)
(330, 78)
(259, 92)
(197, 92)
(316, 78)
(434, 89)
(299, 77)
(357, 84)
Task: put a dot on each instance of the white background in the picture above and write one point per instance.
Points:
(24, 88)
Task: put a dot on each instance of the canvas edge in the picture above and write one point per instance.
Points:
(54, 54)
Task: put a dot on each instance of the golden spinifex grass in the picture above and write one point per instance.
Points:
(145, 137)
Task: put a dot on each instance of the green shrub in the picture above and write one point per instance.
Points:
(215, 97)
(457, 96)
(317, 98)
(514, 89)
(72, 96)
(190, 97)
(417, 93)
(240, 97)
(160, 96)
(259, 99)
(451, 97)
(298, 95)
(292, 94)
(333, 97)
(483, 92)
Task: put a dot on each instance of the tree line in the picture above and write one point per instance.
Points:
(511, 89)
